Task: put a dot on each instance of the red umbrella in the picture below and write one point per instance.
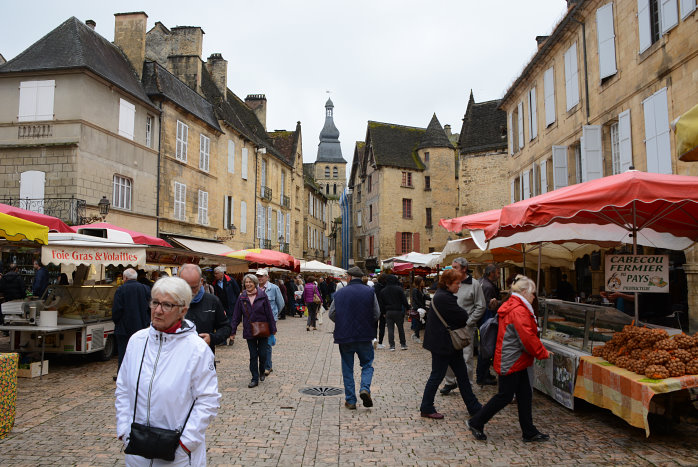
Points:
(258, 257)
(53, 223)
(137, 237)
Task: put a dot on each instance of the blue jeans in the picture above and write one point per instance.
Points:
(267, 365)
(258, 356)
(439, 365)
(363, 350)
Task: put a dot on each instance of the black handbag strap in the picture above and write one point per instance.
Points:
(138, 382)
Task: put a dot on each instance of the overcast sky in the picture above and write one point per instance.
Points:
(396, 61)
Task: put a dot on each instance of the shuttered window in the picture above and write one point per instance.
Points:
(36, 100)
(127, 118)
(203, 208)
(180, 196)
(571, 77)
(511, 138)
(606, 41)
(269, 223)
(204, 151)
(559, 167)
(243, 164)
(526, 185)
(520, 125)
(687, 7)
(648, 23)
(231, 157)
(260, 221)
(182, 141)
(243, 217)
(549, 90)
(625, 145)
(228, 212)
(288, 228)
(591, 153)
(513, 191)
(657, 143)
(669, 15)
(543, 176)
(532, 114)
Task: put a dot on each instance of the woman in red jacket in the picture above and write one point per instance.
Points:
(517, 345)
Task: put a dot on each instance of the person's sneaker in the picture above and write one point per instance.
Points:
(446, 390)
(350, 406)
(375, 343)
(415, 338)
(392, 349)
(404, 347)
(380, 346)
(477, 433)
(536, 438)
(366, 398)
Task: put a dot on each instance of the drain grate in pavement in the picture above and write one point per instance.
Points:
(321, 391)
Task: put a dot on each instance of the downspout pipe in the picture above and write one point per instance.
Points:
(586, 71)
(157, 188)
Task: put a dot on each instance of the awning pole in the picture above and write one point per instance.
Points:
(540, 253)
(637, 297)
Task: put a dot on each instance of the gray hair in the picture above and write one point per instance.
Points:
(191, 266)
(489, 269)
(130, 274)
(218, 269)
(462, 261)
(175, 287)
(251, 277)
(523, 284)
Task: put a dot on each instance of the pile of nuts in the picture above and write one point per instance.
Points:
(651, 352)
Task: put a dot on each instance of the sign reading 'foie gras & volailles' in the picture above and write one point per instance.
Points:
(87, 255)
(637, 273)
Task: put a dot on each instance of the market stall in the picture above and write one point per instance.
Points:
(322, 268)
(259, 257)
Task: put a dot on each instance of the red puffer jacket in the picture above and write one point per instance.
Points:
(517, 338)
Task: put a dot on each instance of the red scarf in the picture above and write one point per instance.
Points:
(173, 329)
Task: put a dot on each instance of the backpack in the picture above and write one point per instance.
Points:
(488, 337)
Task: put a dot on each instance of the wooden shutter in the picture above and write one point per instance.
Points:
(279, 223)
(591, 151)
(669, 15)
(269, 214)
(260, 221)
(661, 146)
(127, 118)
(687, 7)
(549, 92)
(526, 185)
(625, 145)
(243, 217)
(643, 24)
(288, 228)
(415, 242)
(511, 138)
(27, 101)
(231, 157)
(244, 163)
(533, 114)
(521, 130)
(571, 77)
(559, 167)
(226, 221)
(44, 101)
(543, 176)
(606, 41)
(398, 243)
(513, 191)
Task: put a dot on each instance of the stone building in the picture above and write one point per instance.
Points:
(403, 181)
(76, 125)
(315, 216)
(597, 98)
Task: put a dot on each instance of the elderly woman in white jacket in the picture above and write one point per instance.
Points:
(177, 374)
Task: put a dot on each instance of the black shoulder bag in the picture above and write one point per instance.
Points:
(149, 441)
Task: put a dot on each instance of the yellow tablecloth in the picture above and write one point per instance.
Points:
(625, 393)
(8, 391)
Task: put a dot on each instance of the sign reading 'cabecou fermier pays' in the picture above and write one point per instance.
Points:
(637, 273)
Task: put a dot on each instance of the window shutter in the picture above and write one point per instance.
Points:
(231, 211)
(511, 138)
(231, 157)
(521, 130)
(657, 140)
(279, 223)
(288, 228)
(571, 78)
(264, 177)
(398, 243)
(592, 155)
(226, 221)
(549, 91)
(625, 141)
(687, 7)
(535, 180)
(669, 15)
(606, 41)
(31, 185)
(44, 101)
(269, 224)
(559, 167)
(127, 118)
(543, 176)
(243, 217)
(27, 101)
(243, 168)
(260, 221)
(513, 188)
(533, 114)
(526, 185)
(415, 242)
(643, 23)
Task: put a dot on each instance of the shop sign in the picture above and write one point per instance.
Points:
(92, 255)
(637, 273)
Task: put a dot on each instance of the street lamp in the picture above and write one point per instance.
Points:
(103, 206)
(232, 230)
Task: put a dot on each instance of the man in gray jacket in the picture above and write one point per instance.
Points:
(472, 300)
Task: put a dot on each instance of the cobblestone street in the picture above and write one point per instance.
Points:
(68, 418)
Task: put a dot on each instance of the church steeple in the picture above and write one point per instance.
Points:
(329, 149)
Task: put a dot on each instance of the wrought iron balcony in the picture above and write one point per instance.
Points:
(283, 247)
(266, 193)
(285, 201)
(266, 244)
(69, 210)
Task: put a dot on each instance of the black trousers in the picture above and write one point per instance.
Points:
(514, 383)
(381, 328)
(397, 318)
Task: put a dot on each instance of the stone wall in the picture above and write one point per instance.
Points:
(483, 183)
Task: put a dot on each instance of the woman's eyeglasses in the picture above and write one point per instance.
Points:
(166, 306)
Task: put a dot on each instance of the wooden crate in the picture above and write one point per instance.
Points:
(33, 370)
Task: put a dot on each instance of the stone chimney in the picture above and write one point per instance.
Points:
(188, 40)
(540, 40)
(129, 36)
(91, 23)
(187, 68)
(218, 69)
(447, 130)
(258, 103)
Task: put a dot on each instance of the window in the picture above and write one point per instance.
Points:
(625, 145)
(334, 189)
(543, 172)
(280, 226)
(519, 113)
(327, 189)
(283, 185)
(358, 218)
(269, 223)
(243, 217)
(427, 183)
(182, 138)
(31, 190)
(571, 77)
(204, 151)
(370, 245)
(264, 177)
(406, 208)
(335, 172)
(405, 242)
(428, 224)
(615, 149)
(407, 179)
(526, 185)
(149, 131)
(36, 100)
(288, 228)
(559, 167)
(327, 171)
(426, 156)
(231, 156)
(369, 182)
(370, 213)
(532, 114)
(260, 221)
(203, 208)
(657, 141)
(648, 22)
(228, 212)
(511, 132)
(606, 41)
(310, 204)
(180, 196)
(515, 129)
(243, 164)
(127, 118)
(549, 90)
(121, 197)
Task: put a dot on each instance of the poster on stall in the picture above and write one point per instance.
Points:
(637, 273)
(555, 377)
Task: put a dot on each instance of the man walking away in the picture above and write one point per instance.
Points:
(393, 304)
(355, 311)
(227, 290)
(491, 292)
(205, 310)
(130, 310)
(276, 300)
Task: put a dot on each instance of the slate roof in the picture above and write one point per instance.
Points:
(357, 163)
(484, 127)
(395, 145)
(435, 136)
(157, 81)
(286, 142)
(73, 45)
